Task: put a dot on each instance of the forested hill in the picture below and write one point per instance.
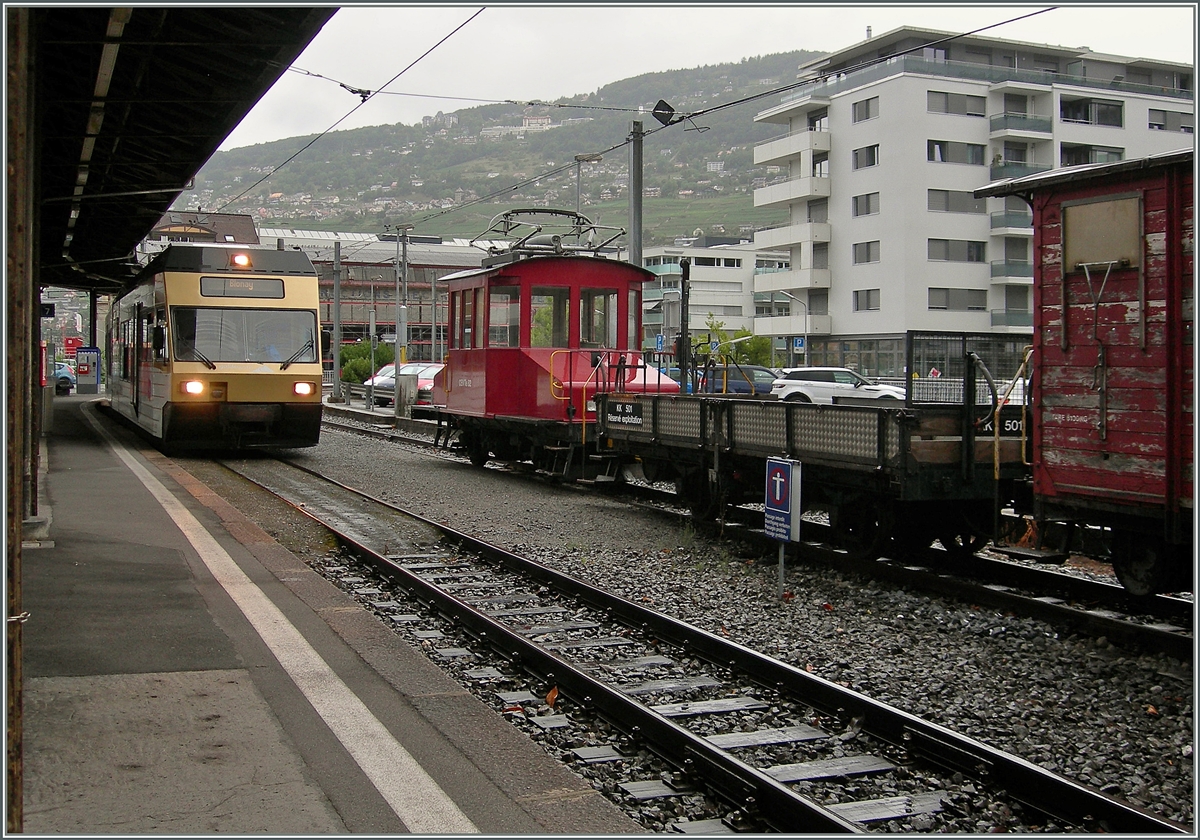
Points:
(696, 174)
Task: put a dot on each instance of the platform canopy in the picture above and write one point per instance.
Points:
(128, 104)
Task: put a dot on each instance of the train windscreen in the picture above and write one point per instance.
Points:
(244, 335)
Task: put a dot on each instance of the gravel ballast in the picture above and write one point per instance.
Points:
(1106, 717)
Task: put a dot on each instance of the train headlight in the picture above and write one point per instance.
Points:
(192, 387)
(303, 389)
(240, 260)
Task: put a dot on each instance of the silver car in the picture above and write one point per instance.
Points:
(822, 384)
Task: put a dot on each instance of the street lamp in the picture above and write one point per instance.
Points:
(579, 161)
(805, 305)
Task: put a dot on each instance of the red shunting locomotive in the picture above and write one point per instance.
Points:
(534, 335)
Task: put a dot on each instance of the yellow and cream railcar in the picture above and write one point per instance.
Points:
(217, 347)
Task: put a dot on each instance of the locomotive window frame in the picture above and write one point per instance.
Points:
(557, 301)
(598, 318)
(504, 316)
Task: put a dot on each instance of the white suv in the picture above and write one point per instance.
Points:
(822, 384)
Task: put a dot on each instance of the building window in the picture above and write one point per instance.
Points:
(934, 53)
(1073, 154)
(866, 300)
(1171, 121)
(955, 201)
(957, 250)
(958, 300)
(820, 165)
(707, 261)
(732, 263)
(819, 120)
(818, 211)
(1092, 112)
(866, 205)
(866, 109)
(950, 151)
(867, 156)
(866, 252)
(820, 255)
(940, 102)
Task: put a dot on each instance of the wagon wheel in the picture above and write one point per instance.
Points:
(477, 452)
(912, 535)
(964, 535)
(1143, 564)
(863, 526)
(961, 543)
(694, 490)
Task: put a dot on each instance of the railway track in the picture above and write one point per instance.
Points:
(615, 682)
(1098, 607)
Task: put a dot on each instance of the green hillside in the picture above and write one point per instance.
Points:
(448, 177)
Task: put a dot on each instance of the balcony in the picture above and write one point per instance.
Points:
(793, 324)
(786, 281)
(1020, 125)
(999, 78)
(1012, 318)
(789, 192)
(791, 146)
(1013, 169)
(1012, 269)
(787, 235)
(1014, 221)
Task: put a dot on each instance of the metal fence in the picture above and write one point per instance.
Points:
(939, 365)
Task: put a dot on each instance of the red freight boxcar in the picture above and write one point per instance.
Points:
(1113, 358)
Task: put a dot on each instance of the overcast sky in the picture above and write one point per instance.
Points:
(548, 52)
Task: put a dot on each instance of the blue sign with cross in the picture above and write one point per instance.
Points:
(783, 509)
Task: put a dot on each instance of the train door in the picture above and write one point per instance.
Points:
(138, 336)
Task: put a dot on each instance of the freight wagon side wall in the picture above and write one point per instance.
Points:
(1113, 375)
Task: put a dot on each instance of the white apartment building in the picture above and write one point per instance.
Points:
(721, 285)
(882, 153)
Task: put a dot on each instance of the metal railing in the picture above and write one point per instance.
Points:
(978, 72)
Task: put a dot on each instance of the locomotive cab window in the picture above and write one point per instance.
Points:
(548, 324)
(598, 318)
(504, 317)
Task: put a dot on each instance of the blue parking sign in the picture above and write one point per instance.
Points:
(783, 509)
(798, 344)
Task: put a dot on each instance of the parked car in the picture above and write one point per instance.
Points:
(737, 379)
(385, 381)
(384, 374)
(822, 384)
(64, 378)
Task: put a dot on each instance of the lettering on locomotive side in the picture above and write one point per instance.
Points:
(463, 382)
(625, 414)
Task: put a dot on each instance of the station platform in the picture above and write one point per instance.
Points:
(183, 673)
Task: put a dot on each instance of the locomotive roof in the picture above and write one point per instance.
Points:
(492, 269)
(1069, 174)
(216, 258)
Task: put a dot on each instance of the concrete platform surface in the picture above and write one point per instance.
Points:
(199, 678)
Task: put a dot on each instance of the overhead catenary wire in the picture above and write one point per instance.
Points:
(682, 117)
(366, 97)
(676, 119)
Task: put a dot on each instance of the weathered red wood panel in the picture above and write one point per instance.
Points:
(1113, 373)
